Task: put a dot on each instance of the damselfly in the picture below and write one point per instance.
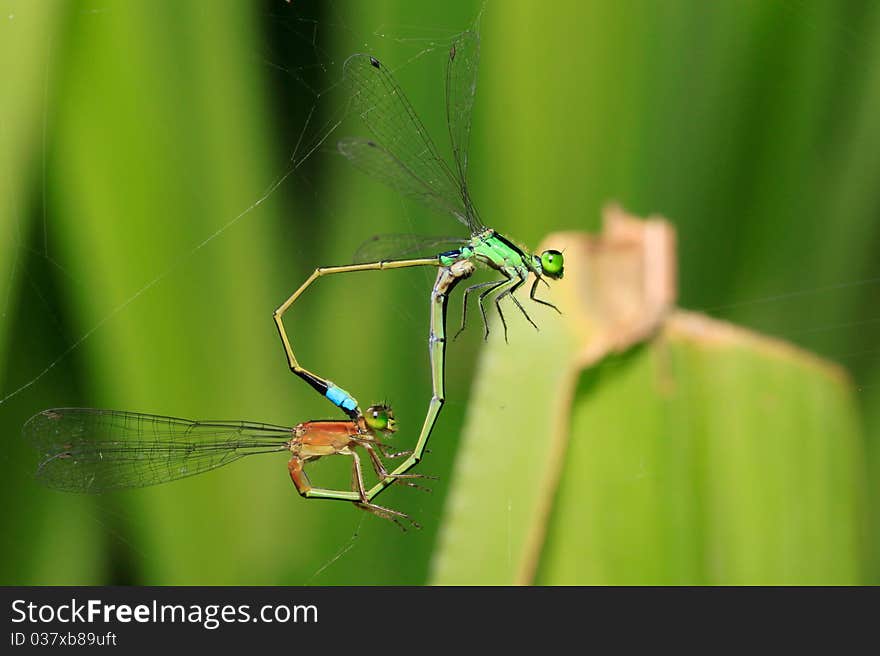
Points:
(92, 451)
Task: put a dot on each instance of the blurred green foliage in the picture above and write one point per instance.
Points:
(141, 255)
(710, 456)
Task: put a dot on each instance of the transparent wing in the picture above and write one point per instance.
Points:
(461, 89)
(399, 246)
(89, 450)
(374, 160)
(405, 144)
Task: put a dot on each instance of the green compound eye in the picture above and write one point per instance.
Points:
(552, 264)
(379, 418)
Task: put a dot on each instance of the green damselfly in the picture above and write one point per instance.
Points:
(403, 156)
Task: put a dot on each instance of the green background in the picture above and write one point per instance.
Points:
(141, 255)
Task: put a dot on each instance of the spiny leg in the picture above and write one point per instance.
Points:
(496, 285)
(338, 396)
(388, 452)
(389, 514)
(538, 300)
(357, 483)
(379, 466)
(504, 288)
(382, 473)
(512, 293)
(357, 496)
(464, 306)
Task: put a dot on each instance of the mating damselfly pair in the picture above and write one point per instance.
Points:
(88, 450)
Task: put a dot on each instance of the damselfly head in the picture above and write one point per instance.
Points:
(552, 264)
(380, 418)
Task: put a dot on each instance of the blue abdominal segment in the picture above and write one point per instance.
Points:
(340, 398)
(336, 395)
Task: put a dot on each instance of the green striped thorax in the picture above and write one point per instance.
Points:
(499, 253)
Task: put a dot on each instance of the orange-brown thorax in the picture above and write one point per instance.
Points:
(313, 439)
